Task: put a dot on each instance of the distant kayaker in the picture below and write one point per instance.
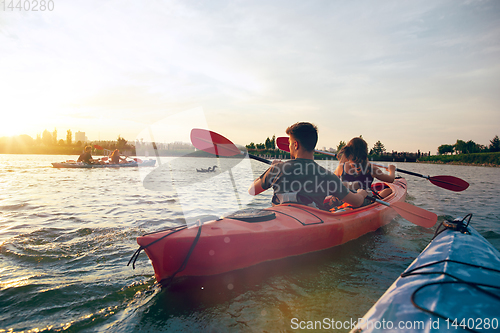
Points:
(115, 157)
(86, 156)
(357, 172)
(301, 179)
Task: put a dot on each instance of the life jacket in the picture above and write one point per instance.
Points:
(292, 197)
(375, 188)
(364, 178)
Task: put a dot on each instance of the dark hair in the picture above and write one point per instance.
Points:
(305, 133)
(356, 150)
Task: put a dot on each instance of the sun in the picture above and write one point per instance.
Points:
(10, 128)
(17, 123)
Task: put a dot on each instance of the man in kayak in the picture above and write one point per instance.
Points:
(300, 179)
(86, 157)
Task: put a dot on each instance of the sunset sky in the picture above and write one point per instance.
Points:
(412, 74)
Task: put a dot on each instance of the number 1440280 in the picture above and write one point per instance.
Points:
(473, 323)
(27, 5)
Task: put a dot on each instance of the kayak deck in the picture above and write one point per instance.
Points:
(453, 285)
(282, 231)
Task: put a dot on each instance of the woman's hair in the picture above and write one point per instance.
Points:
(305, 133)
(88, 148)
(356, 151)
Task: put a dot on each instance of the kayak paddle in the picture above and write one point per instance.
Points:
(215, 143)
(447, 182)
(414, 214)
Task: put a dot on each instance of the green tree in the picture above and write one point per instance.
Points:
(251, 146)
(340, 145)
(69, 137)
(261, 146)
(54, 137)
(494, 144)
(47, 138)
(445, 149)
(120, 142)
(378, 148)
(460, 147)
(268, 143)
(471, 147)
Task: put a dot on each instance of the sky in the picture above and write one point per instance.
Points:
(411, 74)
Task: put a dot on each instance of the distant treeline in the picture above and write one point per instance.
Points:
(25, 144)
(484, 159)
(470, 147)
(469, 152)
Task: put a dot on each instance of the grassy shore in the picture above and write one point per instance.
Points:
(477, 159)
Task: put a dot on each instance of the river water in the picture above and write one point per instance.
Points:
(66, 236)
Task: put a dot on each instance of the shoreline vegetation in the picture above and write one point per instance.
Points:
(24, 144)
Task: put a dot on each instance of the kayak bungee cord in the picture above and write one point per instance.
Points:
(457, 225)
(165, 282)
(138, 251)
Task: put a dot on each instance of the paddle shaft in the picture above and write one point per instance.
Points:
(402, 171)
(258, 158)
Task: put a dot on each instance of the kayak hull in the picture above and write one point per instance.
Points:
(439, 291)
(229, 244)
(80, 165)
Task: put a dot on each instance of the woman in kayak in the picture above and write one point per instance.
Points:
(356, 172)
(115, 157)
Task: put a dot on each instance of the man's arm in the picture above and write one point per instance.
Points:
(355, 199)
(256, 187)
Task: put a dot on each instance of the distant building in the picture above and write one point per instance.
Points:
(80, 136)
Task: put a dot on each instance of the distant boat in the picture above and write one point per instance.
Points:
(73, 164)
(210, 169)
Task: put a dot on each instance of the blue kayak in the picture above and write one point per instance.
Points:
(452, 286)
(81, 165)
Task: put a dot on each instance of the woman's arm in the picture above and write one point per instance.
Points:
(340, 168)
(378, 173)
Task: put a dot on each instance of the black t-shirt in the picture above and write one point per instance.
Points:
(85, 158)
(305, 178)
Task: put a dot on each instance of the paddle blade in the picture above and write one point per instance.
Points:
(98, 147)
(213, 143)
(449, 182)
(414, 214)
(283, 143)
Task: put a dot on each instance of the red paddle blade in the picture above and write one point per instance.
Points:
(449, 182)
(414, 214)
(213, 143)
(98, 147)
(283, 143)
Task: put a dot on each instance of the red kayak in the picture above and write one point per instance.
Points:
(250, 237)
